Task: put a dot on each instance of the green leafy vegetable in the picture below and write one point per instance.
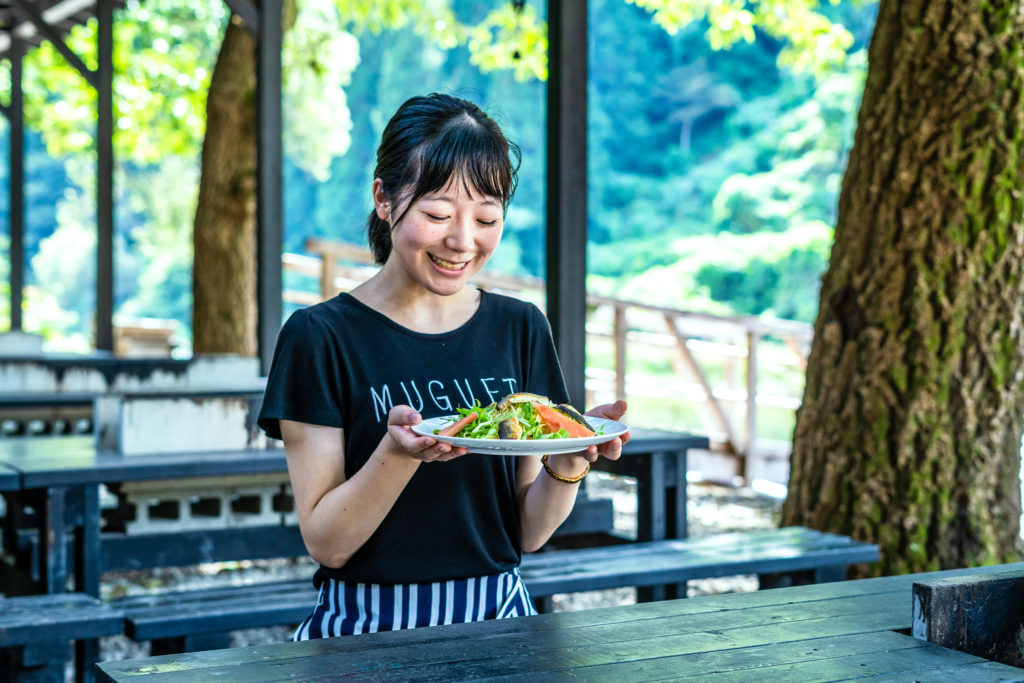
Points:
(485, 426)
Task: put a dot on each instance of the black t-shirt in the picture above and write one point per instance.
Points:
(342, 364)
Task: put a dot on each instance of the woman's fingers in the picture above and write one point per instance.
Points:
(609, 411)
(401, 419)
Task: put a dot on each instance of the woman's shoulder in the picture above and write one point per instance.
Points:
(322, 316)
(505, 305)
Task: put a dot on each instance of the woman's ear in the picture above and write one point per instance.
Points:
(381, 203)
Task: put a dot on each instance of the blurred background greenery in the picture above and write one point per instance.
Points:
(714, 173)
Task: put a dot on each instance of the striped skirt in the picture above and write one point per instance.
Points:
(346, 608)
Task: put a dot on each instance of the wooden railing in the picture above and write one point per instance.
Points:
(741, 348)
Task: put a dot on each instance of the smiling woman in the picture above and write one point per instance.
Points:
(407, 532)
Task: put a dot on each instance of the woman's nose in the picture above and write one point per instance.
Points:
(460, 235)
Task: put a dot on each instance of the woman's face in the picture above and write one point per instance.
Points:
(445, 237)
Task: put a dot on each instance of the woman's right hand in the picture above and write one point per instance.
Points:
(401, 419)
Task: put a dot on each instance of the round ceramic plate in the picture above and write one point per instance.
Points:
(611, 430)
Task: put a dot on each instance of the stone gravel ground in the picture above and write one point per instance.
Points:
(711, 509)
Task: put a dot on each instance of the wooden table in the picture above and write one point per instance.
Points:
(9, 479)
(824, 632)
(59, 477)
(660, 477)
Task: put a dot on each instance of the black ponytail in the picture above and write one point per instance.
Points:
(379, 234)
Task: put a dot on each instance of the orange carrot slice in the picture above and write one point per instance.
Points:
(456, 427)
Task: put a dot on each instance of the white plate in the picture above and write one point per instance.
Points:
(612, 429)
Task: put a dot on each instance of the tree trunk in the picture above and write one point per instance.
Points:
(224, 237)
(910, 430)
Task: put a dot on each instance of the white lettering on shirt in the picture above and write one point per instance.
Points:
(383, 402)
(441, 401)
(438, 392)
(493, 394)
(408, 398)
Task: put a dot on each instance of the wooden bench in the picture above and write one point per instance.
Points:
(35, 631)
(199, 619)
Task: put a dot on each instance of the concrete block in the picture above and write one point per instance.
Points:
(19, 343)
(204, 503)
(982, 615)
(39, 373)
(177, 423)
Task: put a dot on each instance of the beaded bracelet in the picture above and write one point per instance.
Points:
(567, 480)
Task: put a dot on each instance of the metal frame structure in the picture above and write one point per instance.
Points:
(27, 23)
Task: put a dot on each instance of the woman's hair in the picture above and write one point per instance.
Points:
(430, 141)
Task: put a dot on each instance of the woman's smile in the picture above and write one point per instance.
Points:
(455, 266)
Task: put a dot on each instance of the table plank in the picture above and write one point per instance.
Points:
(732, 630)
(75, 460)
(976, 672)
(631, 618)
(10, 479)
(36, 618)
(749, 660)
(577, 647)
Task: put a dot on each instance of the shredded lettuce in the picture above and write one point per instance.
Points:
(485, 426)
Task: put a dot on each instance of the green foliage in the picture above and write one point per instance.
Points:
(764, 273)
(516, 40)
(813, 42)
(164, 51)
(695, 151)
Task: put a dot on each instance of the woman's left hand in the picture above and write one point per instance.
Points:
(610, 449)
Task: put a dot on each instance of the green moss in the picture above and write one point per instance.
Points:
(875, 514)
(933, 340)
(898, 375)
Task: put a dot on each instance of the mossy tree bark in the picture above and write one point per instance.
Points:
(910, 430)
(224, 233)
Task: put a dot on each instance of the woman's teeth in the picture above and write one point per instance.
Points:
(448, 265)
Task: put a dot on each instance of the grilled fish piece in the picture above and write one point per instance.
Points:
(522, 397)
(509, 428)
(573, 414)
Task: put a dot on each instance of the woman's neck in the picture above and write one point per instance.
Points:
(416, 308)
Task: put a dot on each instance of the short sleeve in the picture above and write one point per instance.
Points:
(543, 371)
(304, 381)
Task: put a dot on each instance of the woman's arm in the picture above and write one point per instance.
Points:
(338, 515)
(545, 502)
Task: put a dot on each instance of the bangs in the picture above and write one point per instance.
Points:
(468, 152)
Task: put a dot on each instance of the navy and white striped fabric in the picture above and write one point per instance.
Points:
(346, 609)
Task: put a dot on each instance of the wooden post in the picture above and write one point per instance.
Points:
(16, 121)
(982, 615)
(620, 351)
(566, 267)
(269, 206)
(694, 369)
(328, 273)
(105, 175)
(752, 344)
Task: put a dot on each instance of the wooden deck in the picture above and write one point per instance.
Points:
(829, 632)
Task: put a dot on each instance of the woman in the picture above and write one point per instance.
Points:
(407, 532)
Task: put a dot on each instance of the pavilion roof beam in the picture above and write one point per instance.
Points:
(32, 14)
(53, 16)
